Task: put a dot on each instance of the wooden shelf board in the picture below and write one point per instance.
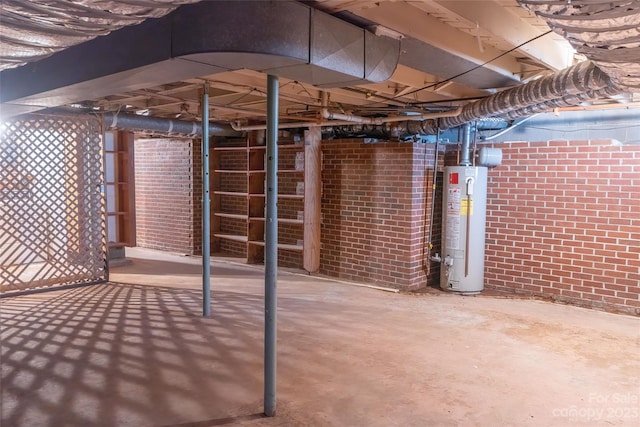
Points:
(291, 221)
(230, 148)
(262, 171)
(280, 147)
(233, 237)
(116, 244)
(280, 245)
(290, 196)
(230, 193)
(290, 247)
(280, 196)
(230, 215)
(280, 220)
(230, 171)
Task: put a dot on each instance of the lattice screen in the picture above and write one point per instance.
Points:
(52, 229)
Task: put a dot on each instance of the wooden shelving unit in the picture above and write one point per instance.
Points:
(238, 195)
(119, 187)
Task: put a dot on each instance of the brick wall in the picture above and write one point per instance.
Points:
(563, 221)
(374, 204)
(165, 196)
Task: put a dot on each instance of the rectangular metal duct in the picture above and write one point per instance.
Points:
(284, 38)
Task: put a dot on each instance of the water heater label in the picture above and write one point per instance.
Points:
(453, 233)
(453, 202)
(453, 178)
(466, 206)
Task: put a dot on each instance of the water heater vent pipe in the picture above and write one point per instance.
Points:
(465, 149)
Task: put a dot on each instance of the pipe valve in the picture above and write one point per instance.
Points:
(448, 261)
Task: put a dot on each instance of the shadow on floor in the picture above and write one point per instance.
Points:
(220, 421)
(118, 355)
(190, 267)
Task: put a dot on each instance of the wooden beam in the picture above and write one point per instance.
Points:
(405, 18)
(312, 199)
(502, 23)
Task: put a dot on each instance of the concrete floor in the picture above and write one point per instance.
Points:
(136, 352)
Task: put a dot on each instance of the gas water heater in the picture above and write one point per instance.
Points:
(464, 211)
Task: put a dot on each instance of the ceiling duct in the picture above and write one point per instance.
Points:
(283, 38)
(575, 80)
(34, 29)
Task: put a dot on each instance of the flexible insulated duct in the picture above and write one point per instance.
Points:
(580, 78)
(34, 29)
(566, 101)
(606, 32)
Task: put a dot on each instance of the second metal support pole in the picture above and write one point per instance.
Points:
(271, 250)
(206, 208)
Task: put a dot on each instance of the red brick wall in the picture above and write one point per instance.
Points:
(165, 201)
(374, 212)
(563, 220)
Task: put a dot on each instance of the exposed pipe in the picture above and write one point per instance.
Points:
(434, 188)
(338, 119)
(350, 118)
(467, 244)
(425, 116)
(465, 156)
(125, 121)
(475, 144)
(206, 208)
(244, 128)
(383, 120)
(580, 78)
(509, 129)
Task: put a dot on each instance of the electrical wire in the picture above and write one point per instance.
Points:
(580, 129)
(509, 129)
(476, 67)
(565, 129)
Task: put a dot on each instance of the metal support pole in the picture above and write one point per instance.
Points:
(206, 208)
(271, 250)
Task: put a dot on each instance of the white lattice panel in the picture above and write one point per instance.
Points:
(52, 229)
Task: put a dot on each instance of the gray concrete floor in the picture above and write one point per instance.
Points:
(136, 352)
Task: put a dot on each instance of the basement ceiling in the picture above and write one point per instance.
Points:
(450, 53)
